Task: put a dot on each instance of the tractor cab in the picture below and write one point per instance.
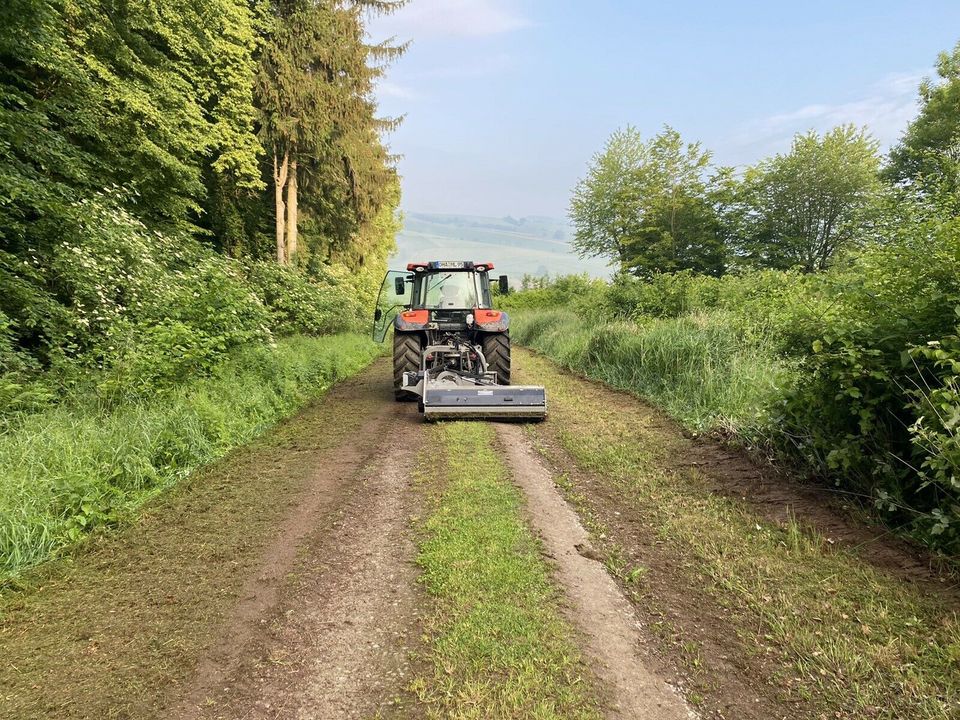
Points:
(437, 295)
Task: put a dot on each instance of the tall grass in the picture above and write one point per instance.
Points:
(703, 368)
(80, 466)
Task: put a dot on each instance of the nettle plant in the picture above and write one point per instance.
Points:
(936, 431)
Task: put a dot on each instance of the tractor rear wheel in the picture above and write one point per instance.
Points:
(406, 358)
(496, 349)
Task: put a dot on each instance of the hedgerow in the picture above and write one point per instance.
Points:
(135, 311)
(851, 373)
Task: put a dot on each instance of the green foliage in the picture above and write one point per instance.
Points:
(141, 332)
(81, 466)
(329, 300)
(149, 310)
(928, 149)
(141, 95)
(936, 431)
(543, 293)
(700, 367)
(660, 206)
(799, 209)
(851, 373)
(314, 89)
(649, 206)
(117, 122)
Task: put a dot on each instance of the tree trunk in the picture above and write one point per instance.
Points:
(292, 210)
(279, 182)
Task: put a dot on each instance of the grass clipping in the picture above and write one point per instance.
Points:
(833, 630)
(498, 645)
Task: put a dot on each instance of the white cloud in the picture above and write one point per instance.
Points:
(481, 67)
(885, 111)
(385, 88)
(450, 18)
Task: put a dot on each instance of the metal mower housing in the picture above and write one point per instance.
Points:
(448, 394)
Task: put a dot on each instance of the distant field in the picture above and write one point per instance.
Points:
(518, 246)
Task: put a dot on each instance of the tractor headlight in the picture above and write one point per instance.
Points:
(469, 318)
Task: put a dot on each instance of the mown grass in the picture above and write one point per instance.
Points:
(78, 467)
(118, 630)
(701, 368)
(850, 638)
(497, 645)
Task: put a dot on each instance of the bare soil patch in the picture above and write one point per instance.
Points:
(140, 620)
(610, 628)
(336, 642)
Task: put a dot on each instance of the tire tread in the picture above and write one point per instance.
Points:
(496, 349)
(406, 358)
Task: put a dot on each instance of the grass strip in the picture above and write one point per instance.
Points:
(846, 636)
(69, 471)
(704, 369)
(498, 646)
(116, 630)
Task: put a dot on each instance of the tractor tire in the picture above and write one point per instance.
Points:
(406, 358)
(496, 349)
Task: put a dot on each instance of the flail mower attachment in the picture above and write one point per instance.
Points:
(449, 392)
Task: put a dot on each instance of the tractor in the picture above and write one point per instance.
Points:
(451, 348)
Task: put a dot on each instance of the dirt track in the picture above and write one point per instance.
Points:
(328, 621)
(282, 583)
(610, 628)
(326, 629)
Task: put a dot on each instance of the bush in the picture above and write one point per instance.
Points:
(326, 301)
(936, 433)
(150, 310)
(850, 374)
(578, 292)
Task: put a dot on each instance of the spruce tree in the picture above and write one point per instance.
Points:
(318, 120)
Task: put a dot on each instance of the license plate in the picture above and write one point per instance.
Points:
(450, 264)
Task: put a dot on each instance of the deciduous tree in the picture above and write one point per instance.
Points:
(649, 206)
(797, 209)
(930, 147)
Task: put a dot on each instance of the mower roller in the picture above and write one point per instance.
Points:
(451, 349)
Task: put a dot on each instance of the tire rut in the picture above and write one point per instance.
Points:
(323, 627)
(610, 629)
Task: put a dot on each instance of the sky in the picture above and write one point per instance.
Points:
(506, 101)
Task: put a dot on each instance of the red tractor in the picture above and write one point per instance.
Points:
(451, 348)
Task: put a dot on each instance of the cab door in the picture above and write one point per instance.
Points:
(394, 296)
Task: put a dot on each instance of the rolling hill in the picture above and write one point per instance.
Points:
(518, 246)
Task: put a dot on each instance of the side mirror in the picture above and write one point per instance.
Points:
(377, 314)
(400, 286)
(504, 284)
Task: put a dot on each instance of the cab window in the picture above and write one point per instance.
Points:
(452, 290)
